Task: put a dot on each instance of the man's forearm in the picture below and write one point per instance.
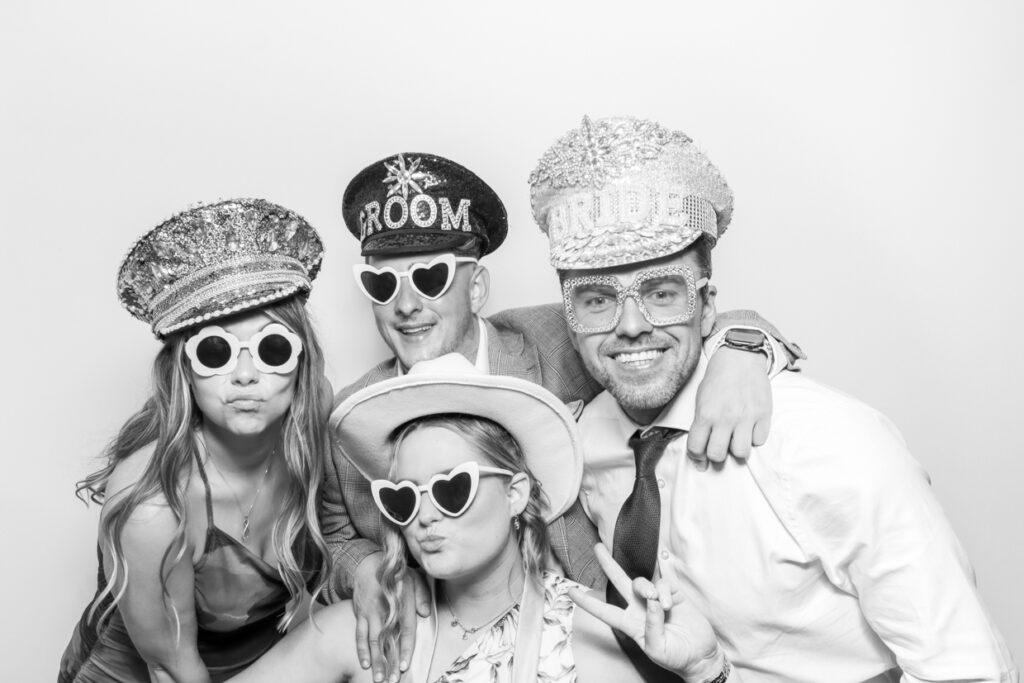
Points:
(348, 547)
(749, 318)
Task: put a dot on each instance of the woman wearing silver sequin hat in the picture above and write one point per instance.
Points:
(208, 534)
(467, 470)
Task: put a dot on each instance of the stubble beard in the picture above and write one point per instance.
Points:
(644, 392)
(453, 343)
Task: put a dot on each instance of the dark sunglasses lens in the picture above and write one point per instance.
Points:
(399, 503)
(213, 352)
(431, 281)
(453, 494)
(380, 286)
(275, 350)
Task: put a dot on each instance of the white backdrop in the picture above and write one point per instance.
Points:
(875, 150)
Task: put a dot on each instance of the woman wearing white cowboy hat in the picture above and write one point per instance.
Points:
(497, 458)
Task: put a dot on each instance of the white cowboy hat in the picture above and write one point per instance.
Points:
(540, 423)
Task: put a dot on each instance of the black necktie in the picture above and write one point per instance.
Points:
(635, 544)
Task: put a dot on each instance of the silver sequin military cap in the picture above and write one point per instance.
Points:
(215, 260)
(617, 191)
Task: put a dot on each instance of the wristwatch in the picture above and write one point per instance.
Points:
(750, 340)
(743, 339)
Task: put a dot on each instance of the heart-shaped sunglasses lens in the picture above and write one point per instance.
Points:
(399, 503)
(380, 286)
(452, 494)
(431, 282)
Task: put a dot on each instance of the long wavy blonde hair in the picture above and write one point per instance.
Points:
(494, 443)
(169, 419)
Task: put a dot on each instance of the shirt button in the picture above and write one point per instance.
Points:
(664, 554)
(661, 483)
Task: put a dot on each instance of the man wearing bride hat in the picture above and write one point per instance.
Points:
(823, 557)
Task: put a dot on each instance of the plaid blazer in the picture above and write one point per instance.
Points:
(531, 343)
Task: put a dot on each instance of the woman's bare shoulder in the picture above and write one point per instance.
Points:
(129, 471)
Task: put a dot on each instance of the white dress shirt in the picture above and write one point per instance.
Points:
(825, 557)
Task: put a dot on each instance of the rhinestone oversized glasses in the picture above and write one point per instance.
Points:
(665, 295)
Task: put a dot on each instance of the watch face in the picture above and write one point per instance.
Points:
(748, 338)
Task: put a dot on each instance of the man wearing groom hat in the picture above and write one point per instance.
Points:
(424, 222)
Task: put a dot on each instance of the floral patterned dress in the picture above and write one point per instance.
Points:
(489, 658)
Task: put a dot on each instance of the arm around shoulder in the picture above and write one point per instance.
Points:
(343, 494)
(342, 484)
(784, 353)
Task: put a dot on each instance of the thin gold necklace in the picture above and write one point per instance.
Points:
(244, 536)
(468, 631)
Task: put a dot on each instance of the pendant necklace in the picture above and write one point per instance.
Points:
(245, 518)
(263, 480)
(468, 631)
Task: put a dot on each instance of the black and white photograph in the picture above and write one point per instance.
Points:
(461, 342)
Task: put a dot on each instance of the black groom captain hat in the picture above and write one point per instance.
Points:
(411, 203)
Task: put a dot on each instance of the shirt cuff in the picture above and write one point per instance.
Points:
(346, 560)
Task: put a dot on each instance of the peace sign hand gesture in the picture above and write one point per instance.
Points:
(669, 628)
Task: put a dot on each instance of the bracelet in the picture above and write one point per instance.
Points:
(723, 676)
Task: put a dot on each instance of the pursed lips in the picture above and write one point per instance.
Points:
(431, 543)
(245, 402)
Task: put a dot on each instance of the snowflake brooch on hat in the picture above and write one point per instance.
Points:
(401, 178)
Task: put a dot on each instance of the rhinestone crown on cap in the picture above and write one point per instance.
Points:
(621, 190)
(215, 260)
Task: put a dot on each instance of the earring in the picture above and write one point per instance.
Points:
(515, 523)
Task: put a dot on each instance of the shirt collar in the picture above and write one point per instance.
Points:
(481, 348)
